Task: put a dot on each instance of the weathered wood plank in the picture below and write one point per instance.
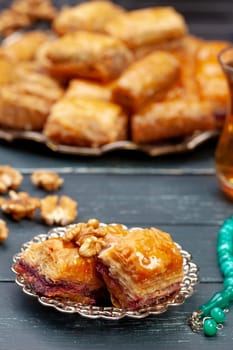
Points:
(28, 155)
(25, 324)
(140, 199)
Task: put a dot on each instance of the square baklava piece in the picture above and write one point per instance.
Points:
(85, 122)
(85, 55)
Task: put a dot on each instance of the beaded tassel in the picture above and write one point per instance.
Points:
(211, 315)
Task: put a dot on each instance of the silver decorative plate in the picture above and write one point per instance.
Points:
(157, 149)
(109, 312)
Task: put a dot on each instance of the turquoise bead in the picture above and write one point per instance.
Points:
(220, 299)
(228, 293)
(230, 274)
(225, 245)
(224, 257)
(210, 327)
(228, 282)
(226, 267)
(224, 248)
(218, 314)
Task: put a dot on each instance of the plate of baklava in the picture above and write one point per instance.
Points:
(106, 270)
(102, 78)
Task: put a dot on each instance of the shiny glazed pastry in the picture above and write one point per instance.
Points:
(85, 55)
(85, 88)
(147, 26)
(26, 101)
(141, 267)
(91, 16)
(85, 122)
(177, 118)
(55, 269)
(24, 47)
(179, 110)
(135, 267)
(144, 79)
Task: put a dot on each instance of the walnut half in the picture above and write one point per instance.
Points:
(61, 211)
(48, 180)
(20, 205)
(87, 236)
(10, 179)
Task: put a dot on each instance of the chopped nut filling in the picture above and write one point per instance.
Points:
(20, 205)
(61, 211)
(48, 180)
(10, 179)
(3, 231)
(87, 236)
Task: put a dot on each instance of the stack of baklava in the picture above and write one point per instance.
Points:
(104, 74)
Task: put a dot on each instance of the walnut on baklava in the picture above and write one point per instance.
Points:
(85, 122)
(85, 55)
(54, 268)
(65, 267)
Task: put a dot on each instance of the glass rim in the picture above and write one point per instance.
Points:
(226, 49)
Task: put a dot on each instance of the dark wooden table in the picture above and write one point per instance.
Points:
(176, 193)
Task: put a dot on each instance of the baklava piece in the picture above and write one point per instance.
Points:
(10, 21)
(6, 71)
(140, 268)
(144, 79)
(10, 178)
(4, 231)
(24, 48)
(26, 103)
(23, 13)
(160, 121)
(90, 16)
(178, 111)
(84, 88)
(35, 9)
(85, 122)
(54, 268)
(48, 180)
(150, 26)
(85, 55)
(210, 78)
(65, 267)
